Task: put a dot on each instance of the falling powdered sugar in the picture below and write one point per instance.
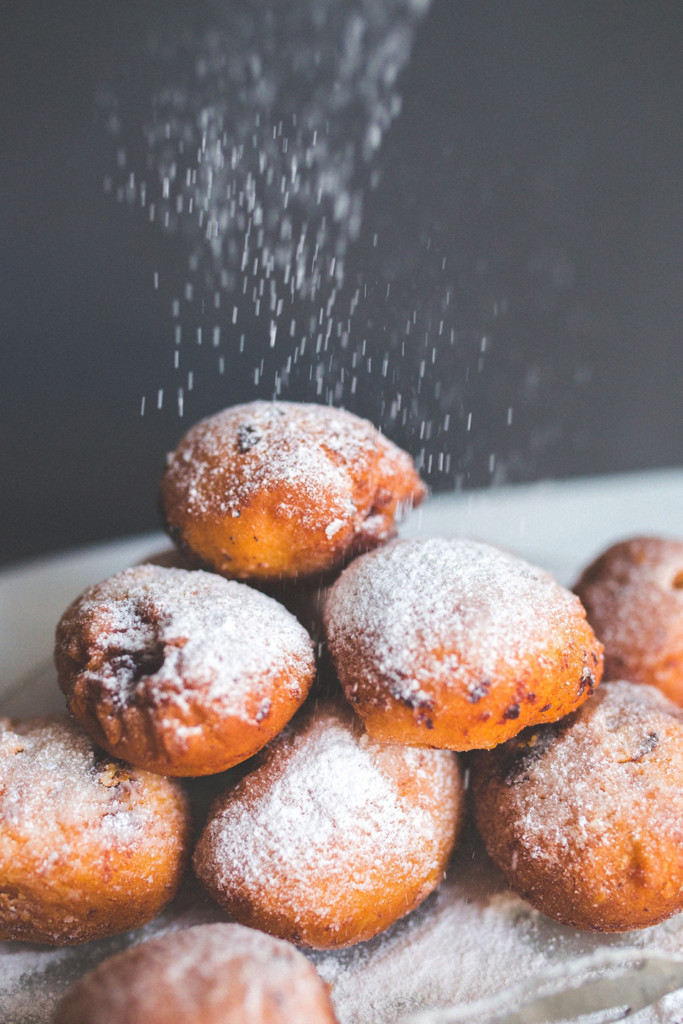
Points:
(258, 150)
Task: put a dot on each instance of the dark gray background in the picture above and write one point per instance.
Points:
(539, 149)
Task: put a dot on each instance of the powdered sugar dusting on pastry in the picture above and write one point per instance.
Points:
(448, 597)
(52, 785)
(613, 765)
(290, 456)
(633, 595)
(172, 635)
(213, 972)
(312, 454)
(89, 847)
(323, 821)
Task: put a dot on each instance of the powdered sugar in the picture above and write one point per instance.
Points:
(52, 787)
(209, 971)
(323, 818)
(633, 595)
(309, 455)
(259, 153)
(445, 597)
(468, 939)
(333, 527)
(178, 635)
(616, 768)
(471, 939)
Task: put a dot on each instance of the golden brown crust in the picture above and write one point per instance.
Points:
(633, 594)
(209, 974)
(454, 644)
(89, 847)
(181, 672)
(334, 836)
(585, 817)
(273, 490)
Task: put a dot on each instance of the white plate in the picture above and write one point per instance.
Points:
(473, 938)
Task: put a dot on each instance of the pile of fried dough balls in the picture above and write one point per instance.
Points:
(342, 680)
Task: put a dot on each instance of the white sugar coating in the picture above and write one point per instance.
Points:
(210, 945)
(216, 969)
(312, 456)
(32, 978)
(323, 818)
(453, 599)
(470, 939)
(186, 635)
(617, 771)
(56, 794)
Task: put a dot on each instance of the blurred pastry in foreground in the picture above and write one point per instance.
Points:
(209, 974)
(273, 490)
(633, 595)
(584, 818)
(334, 836)
(89, 847)
(456, 644)
(181, 672)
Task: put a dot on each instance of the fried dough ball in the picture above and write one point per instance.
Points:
(585, 818)
(274, 490)
(89, 847)
(334, 836)
(633, 594)
(209, 974)
(455, 644)
(181, 672)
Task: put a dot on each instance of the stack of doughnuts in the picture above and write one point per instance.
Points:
(344, 681)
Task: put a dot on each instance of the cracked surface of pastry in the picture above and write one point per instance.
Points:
(181, 671)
